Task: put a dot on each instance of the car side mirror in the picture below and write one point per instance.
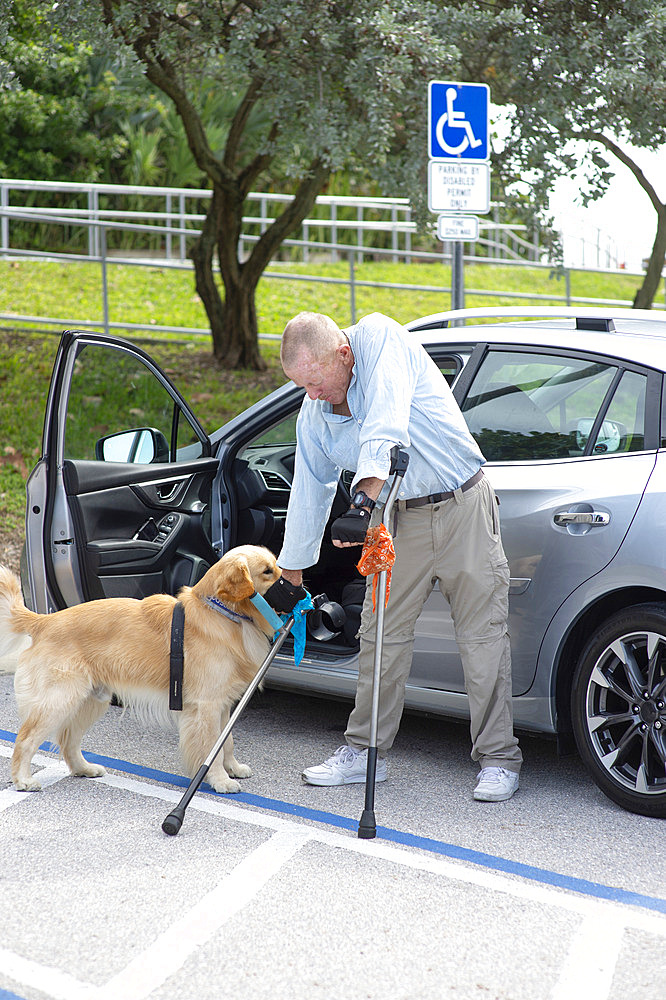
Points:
(139, 446)
(612, 435)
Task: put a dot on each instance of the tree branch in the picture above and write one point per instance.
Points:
(249, 174)
(239, 122)
(273, 237)
(617, 151)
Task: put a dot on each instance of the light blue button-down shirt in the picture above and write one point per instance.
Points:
(397, 395)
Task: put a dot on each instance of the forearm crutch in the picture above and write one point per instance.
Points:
(174, 820)
(367, 828)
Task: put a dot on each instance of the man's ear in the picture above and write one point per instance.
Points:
(345, 354)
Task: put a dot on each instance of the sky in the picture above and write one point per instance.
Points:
(621, 226)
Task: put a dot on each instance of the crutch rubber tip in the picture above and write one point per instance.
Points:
(367, 829)
(172, 824)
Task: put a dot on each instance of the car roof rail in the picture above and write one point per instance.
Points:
(448, 317)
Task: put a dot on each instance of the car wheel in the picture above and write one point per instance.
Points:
(619, 709)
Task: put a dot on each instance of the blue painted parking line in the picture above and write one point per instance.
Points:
(596, 890)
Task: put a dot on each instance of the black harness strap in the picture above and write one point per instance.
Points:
(176, 658)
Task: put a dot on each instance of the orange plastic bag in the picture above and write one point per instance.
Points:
(378, 556)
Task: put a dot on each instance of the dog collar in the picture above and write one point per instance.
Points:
(233, 616)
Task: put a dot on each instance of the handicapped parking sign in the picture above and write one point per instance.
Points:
(458, 120)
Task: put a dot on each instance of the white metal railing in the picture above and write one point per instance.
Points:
(176, 224)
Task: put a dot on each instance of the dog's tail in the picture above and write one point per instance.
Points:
(16, 621)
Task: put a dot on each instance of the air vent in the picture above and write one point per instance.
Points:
(597, 324)
(274, 481)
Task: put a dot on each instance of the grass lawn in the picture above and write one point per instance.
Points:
(161, 296)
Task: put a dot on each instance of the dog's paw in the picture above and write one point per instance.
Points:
(225, 785)
(89, 771)
(30, 785)
(239, 770)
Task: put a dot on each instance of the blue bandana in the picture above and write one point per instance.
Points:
(298, 631)
(299, 614)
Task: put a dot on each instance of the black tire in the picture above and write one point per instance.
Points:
(618, 705)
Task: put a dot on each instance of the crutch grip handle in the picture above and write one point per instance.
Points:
(399, 461)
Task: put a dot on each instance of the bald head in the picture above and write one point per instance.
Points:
(316, 355)
(310, 335)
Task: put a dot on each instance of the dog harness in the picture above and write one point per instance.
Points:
(176, 658)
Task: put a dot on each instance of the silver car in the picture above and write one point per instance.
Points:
(132, 497)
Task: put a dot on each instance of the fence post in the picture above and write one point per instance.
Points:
(352, 287)
(101, 237)
(359, 231)
(4, 228)
(567, 279)
(408, 237)
(334, 230)
(169, 227)
(181, 225)
(92, 214)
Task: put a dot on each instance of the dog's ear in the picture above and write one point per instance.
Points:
(235, 582)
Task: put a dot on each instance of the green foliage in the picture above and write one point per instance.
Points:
(47, 116)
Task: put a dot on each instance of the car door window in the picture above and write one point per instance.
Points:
(527, 406)
(118, 410)
(623, 427)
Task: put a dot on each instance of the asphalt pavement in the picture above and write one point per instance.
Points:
(556, 894)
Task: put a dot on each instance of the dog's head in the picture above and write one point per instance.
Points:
(240, 573)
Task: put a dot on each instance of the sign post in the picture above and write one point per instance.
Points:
(458, 168)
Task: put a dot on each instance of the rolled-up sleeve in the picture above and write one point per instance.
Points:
(386, 387)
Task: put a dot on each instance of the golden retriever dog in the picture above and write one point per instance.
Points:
(78, 658)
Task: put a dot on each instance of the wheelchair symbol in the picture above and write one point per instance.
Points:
(455, 120)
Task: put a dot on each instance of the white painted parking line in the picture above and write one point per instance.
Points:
(458, 871)
(49, 981)
(588, 969)
(171, 950)
(53, 771)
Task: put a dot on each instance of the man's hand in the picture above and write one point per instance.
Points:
(351, 528)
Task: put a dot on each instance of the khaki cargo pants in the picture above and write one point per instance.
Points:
(457, 544)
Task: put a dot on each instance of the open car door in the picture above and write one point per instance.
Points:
(119, 504)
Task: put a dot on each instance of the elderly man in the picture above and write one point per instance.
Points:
(371, 387)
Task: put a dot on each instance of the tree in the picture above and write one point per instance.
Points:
(591, 70)
(317, 86)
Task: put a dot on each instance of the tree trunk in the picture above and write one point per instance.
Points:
(201, 254)
(233, 320)
(241, 348)
(646, 293)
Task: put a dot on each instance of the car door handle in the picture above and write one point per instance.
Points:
(567, 517)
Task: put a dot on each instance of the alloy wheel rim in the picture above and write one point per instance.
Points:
(625, 711)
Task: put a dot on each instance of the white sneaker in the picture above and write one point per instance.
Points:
(347, 766)
(495, 784)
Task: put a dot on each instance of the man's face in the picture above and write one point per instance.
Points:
(327, 380)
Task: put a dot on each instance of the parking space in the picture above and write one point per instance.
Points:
(555, 894)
